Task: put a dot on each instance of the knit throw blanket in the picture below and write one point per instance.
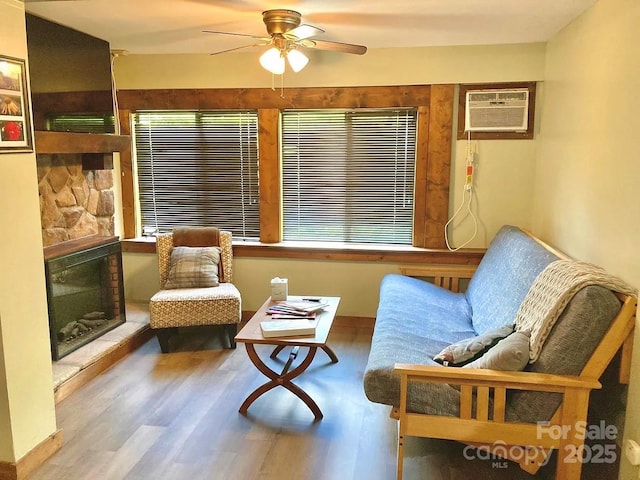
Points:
(550, 293)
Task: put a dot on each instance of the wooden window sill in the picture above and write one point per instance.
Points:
(332, 252)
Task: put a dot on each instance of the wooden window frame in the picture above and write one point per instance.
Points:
(361, 151)
(462, 108)
(178, 185)
(433, 156)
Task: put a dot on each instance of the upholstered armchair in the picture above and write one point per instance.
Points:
(196, 271)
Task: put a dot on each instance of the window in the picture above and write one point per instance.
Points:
(348, 176)
(198, 169)
(433, 104)
(81, 122)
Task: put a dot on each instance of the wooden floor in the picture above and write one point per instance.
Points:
(175, 416)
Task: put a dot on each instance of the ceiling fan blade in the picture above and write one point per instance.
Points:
(336, 46)
(304, 31)
(236, 34)
(239, 48)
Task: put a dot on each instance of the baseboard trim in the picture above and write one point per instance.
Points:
(33, 459)
(100, 365)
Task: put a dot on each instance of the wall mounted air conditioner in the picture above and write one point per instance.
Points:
(497, 110)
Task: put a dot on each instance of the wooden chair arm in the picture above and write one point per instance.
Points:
(542, 382)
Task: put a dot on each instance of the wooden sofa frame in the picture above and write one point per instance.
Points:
(484, 426)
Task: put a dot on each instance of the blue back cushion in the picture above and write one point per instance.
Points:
(511, 264)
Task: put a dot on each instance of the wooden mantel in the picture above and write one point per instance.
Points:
(77, 245)
(67, 142)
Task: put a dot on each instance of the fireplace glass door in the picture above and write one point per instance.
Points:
(85, 296)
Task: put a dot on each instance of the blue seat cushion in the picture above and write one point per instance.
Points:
(418, 319)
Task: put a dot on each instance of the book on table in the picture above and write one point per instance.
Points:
(305, 306)
(288, 327)
(290, 316)
(292, 312)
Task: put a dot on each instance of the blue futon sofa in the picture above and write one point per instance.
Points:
(416, 320)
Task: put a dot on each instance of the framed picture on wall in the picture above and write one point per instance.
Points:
(15, 127)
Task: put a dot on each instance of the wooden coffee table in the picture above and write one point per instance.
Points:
(251, 335)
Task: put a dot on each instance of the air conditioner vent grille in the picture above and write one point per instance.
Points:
(498, 96)
(497, 110)
(496, 117)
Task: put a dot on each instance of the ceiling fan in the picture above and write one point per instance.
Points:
(286, 36)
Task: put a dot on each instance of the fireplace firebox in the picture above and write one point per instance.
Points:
(85, 291)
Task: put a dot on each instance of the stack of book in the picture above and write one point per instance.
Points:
(290, 319)
(295, 309)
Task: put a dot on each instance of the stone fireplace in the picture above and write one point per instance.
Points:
(83, 260)
(74, 202)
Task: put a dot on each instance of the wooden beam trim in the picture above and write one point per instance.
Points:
(420, 188)
(72, 142)
(258, 98)
(126, 180)
(439, 165)
(270, 175)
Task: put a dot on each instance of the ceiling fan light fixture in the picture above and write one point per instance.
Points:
(273, 61)
(286, 34)
(297, 60)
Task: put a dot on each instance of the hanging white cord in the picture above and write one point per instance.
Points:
(467, 190)
(114, 91)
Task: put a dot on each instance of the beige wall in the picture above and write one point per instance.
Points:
(391, 66)
(497, 201)
(586, 190)
(357, 283)
(502, 189)
(27, 415)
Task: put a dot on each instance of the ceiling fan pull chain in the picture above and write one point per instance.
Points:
(282, 86)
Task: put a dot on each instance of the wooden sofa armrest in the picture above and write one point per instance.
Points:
(539, 382)
(482, 419)
(445, 276)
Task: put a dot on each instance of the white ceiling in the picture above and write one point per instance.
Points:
(175, 26)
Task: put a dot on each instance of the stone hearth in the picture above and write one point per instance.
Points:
(74, 202)
(94, 357)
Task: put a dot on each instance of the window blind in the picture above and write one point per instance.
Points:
(348, 176)
(198, 169)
